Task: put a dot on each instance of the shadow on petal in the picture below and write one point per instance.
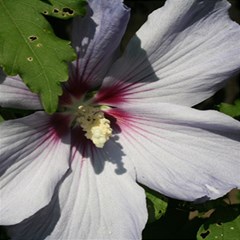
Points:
(111, 152)
(127, 76)
(42, 223)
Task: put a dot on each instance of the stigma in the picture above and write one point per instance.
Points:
(94, 123)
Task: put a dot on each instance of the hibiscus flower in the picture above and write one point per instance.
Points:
(123, 120)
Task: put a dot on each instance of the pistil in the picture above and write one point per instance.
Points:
(94, 123)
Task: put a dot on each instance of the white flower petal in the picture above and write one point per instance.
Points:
(181, 152)
(96, 45)
(98, 200)
(15, 94)
(183, 54)
(34, 156)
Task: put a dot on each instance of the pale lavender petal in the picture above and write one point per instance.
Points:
(183, 54)
(98, 200)
(15, 94)
(96, 38)
(181, 152)
(35, 154)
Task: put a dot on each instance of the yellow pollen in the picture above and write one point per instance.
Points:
(96, 126)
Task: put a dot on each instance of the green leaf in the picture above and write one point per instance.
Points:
(238, 195)
(11, 113)
(64, 9)
(3, 234)
(30, 48)
(223, 224)
(6, 114)
(1, 118)
(156, 204)
(231, 110)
